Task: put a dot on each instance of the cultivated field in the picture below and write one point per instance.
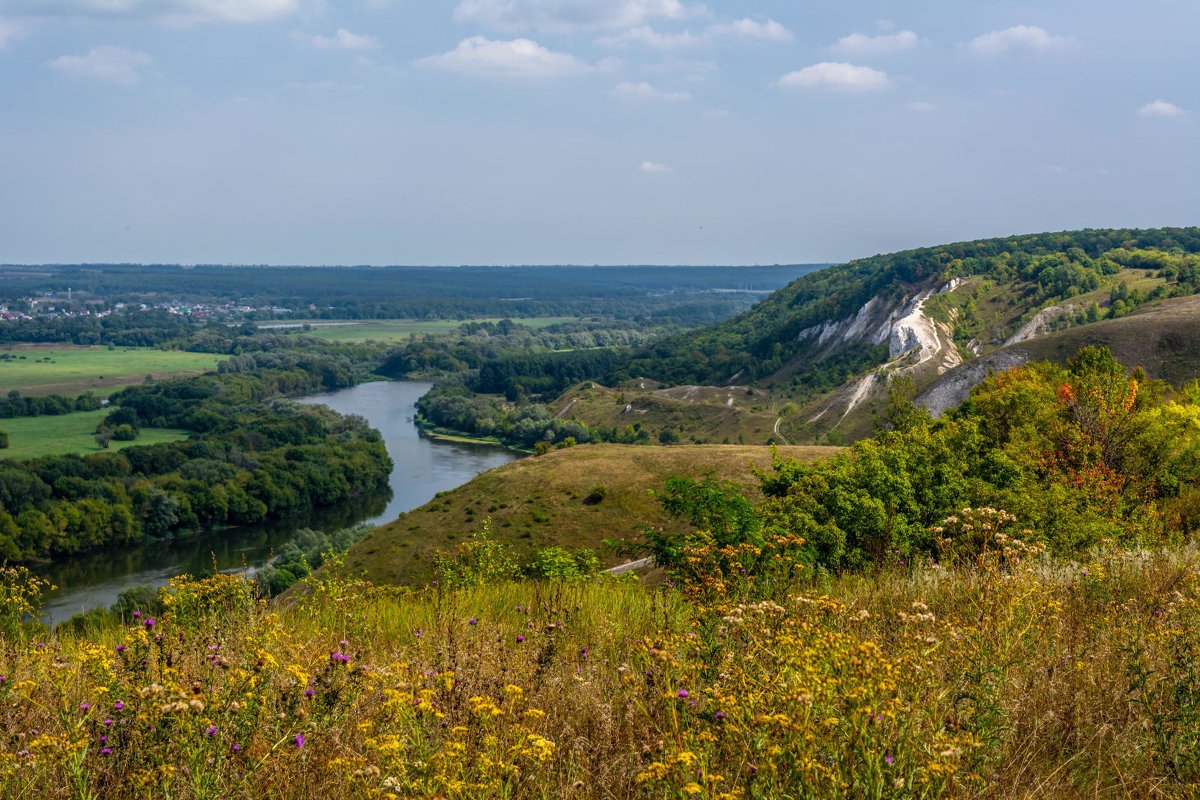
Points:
(392, 330)
(71, 370)
(31, 437)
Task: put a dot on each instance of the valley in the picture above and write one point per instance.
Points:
(906, 473)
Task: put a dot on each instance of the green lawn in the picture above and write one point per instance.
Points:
(30, 437)
(68, 370)
(394, 330)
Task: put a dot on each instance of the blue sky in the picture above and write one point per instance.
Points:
(584, 131)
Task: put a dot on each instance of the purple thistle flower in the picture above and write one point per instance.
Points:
(235, 747)
(309, 692)
(137, 614)
(520, 638)
(119, 705)
(682, 693)
(84, 706)
(108, 722)
(107, 751)
(150, 623)
(211, 730)
(472, 621)
(720, 715)
(299, 741)
(103, 738)
(120, 648)
(889, 759)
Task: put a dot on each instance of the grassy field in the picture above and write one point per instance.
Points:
(70, 370)
(548, 500)
(30, 437)
(394, 330)
(697, 414)
(1050, 681)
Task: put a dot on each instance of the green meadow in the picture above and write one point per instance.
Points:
(31, 437)
(70, 370)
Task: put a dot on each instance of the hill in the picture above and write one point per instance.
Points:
(574, 497)
(828, 345)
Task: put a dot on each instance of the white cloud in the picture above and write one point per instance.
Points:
(566, 16)
(646, 36)
(652, 166)
(769, 31)
(920, 105)
(345, 40)
(1161, 108)
(646, 91)
(746, 28)
(1019, 39)
(171, 11)
(104, 64)
(836, 75)
(860, 44)
(10, 30)
(518, 58)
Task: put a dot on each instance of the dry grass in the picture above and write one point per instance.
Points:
(1050, 681)
(549, 500)
(700, 414)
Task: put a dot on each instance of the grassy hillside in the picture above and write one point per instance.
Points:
(1036, 269)
(1163, 338)
(575, 497)
(690, 414)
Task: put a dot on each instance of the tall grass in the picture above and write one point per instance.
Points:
(1040, 679)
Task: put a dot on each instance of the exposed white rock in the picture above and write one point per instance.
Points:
(914, 331)
(1039, 323)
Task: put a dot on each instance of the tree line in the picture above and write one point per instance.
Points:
(246, 459)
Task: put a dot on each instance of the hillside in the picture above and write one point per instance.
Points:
(827, 346)
(575, 497)
(1162, 338)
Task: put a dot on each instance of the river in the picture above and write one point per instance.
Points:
(423, 467)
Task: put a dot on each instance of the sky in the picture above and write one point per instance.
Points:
(585, 131)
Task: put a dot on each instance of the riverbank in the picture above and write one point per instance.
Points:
(432, 431)
(422, 467)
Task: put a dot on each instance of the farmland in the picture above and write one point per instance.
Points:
(68, 370)
(33, 437)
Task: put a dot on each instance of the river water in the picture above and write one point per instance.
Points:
(423, 467)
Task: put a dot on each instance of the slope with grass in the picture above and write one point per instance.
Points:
(831, 342)
(574, 497)
(1163, 338)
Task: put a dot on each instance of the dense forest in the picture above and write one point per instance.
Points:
(1041, 268)
(246, 459)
